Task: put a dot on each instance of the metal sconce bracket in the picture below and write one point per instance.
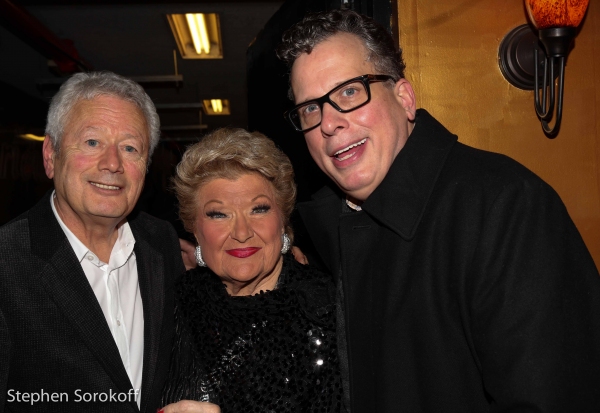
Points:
(518, 58)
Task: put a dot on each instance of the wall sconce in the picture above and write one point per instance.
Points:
(519, 54)
(198, 35)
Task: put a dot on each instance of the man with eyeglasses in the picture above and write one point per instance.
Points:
(463, 285)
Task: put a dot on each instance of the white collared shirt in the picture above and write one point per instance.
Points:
(117, 289)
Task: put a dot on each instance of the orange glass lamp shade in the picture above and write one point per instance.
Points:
(547, 14)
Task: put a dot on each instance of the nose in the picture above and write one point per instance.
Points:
(332, 121)
(242, 230)
(111, 160)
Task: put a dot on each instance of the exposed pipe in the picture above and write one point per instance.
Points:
(29, 29)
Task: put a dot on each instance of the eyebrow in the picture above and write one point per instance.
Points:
(252, 200)
(319, 97)
(213, 200)
(99, 128)
(89, 127)
(261, 196)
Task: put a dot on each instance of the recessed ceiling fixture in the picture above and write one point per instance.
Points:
(216, 106)
(198, 35)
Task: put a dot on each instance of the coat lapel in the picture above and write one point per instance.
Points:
(400, 200)
(65, 282)
(151, 278)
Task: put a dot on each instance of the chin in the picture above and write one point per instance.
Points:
(245, 275)
(354, 190)
(110, 209)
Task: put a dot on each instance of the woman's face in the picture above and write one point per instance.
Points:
(239, 228)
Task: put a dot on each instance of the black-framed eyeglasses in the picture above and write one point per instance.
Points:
(350, 95)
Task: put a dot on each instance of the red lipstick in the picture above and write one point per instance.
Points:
(242, 252)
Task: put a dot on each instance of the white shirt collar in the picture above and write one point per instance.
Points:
(352, 205)
(125, 237)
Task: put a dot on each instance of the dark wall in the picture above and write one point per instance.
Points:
(267, 91)
(22, 177)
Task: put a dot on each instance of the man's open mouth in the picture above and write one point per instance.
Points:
(346, 150)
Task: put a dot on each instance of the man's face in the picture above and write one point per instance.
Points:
(354, 149)
(99, 171)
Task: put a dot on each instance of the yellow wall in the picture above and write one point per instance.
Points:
(451, 49)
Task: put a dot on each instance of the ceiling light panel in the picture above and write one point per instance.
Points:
(198, 35)
(216, 106)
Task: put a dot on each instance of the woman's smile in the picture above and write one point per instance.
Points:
(243, 252)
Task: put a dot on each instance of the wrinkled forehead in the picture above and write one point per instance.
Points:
(112, 101)
(245, 187)
(109, 107)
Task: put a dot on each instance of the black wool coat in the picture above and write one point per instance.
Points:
(467, 287)
(54, 338)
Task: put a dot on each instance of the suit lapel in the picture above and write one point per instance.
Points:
(65, 282)
(151, 279)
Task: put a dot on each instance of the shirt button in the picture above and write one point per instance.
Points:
(90, 258)
(118, 323)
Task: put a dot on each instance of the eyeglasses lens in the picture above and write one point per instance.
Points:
(345, 98)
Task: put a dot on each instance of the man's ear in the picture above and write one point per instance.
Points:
(406, 96)
(48, 154)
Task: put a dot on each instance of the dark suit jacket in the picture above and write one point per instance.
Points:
(467, 288)
(54, 339)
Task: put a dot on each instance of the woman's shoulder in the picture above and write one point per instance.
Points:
(296, 275)
(197, 284)
(314, 289)
(190, 278)
(296, 272)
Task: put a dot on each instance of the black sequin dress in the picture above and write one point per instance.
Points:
(271, 352)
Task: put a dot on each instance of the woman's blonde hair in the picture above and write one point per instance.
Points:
(229, 153)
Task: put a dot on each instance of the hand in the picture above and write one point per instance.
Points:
(189, 406)
(188, 254)
(299, 255)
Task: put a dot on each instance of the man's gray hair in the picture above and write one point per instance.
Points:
(91, 85)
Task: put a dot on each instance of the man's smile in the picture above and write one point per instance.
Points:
(346, 149)
(103, 186)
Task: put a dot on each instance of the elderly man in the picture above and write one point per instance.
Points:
(463, 285)
(85, 288)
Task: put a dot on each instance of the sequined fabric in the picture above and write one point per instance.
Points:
(271, 352)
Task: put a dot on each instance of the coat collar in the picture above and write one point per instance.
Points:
(66, 283)
(399, 201)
